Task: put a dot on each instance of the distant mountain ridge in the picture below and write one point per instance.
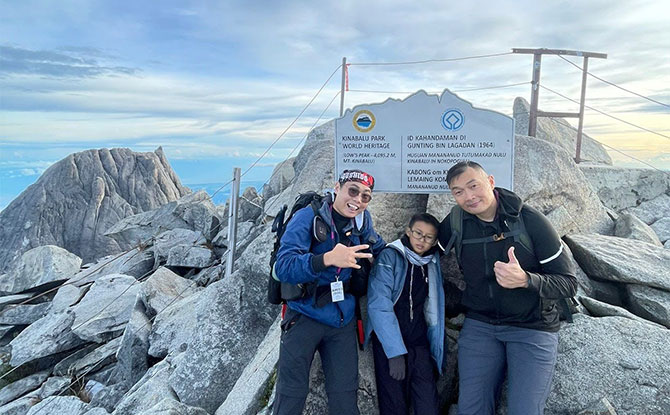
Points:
(74, 202)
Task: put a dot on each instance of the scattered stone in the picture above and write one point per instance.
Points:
(106, 308)
(162, 288)
(49, 335)
(22, 386)
(600, 309)
(132, 355)
(169, 239)
(136, 263)
(25, 314)
(650, 303)
(190, 256)
(662, 228)
(39, 266)
(61, 405)
(601, 407)
(66, 296)
(652, 210)
(629, 226)
(149, 391)
(624, 260)
(171, 406)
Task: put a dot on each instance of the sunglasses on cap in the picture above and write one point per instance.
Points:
(355, 191)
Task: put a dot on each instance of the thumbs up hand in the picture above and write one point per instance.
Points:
(510, 274)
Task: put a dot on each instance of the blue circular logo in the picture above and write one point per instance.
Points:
(453, 120)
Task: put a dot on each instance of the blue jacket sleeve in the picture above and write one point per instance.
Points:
(294, 259)
(380, 303)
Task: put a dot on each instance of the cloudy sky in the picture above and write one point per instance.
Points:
(216, 82)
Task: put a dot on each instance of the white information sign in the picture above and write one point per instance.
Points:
(408, 145)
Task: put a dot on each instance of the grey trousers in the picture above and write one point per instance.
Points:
(301, 338)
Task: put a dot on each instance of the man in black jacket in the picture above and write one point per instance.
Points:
(511, 322)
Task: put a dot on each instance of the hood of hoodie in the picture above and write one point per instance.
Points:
(509, 204)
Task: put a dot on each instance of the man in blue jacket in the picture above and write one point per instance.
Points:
(320, 250)
(511, 318)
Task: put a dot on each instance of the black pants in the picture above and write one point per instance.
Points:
(301, 338)
(417, 389)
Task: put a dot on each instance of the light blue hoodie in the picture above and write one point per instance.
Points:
(385, 285)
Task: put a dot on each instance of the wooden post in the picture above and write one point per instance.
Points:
(581, 111)
(232, 221)
(344, 77)
(534, 95)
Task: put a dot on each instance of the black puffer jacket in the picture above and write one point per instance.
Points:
(551, 272)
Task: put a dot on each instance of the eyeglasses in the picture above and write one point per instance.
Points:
(355, 191)
(420, 236)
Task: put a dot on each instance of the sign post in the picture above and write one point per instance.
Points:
(408, 145)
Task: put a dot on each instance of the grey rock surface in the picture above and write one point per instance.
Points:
(54, 385)
(133, 351)
(312, 166)
(163, 288)
(624, 260)
(137, 262)
(149, 391)
(652, 210)
(219, 349)
(194, 212)
(169, 239)
(251, 205)
(81, 196)
(25, 314)
(563, 184)
(280, 179)
(97, 358)
(61, 405)
(66, 296)
(20, 406)
(49, 335)
(39, 266)
(650, 303)
(190, 256)
(629, 226)
(617, 358)
(559, 132)
(13, 299)
(662, 229)
(173, 327)
(106, 308)
(96, 411)
(600, 407)
(22, 386)
(244, 397)
(621, 188)
(601, 309)
(391, 212)
(172, 407)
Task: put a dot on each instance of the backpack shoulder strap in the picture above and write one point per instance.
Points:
(456, 223)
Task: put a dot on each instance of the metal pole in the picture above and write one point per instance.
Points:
(534, 95)
(232, 220)
(344, 74)
(581, 111)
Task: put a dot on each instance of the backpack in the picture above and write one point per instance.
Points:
(279, 292)
(517, 230)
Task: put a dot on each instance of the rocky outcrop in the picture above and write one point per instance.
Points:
(559, 132)
(619, 189)
(77, 199)
(623, 362)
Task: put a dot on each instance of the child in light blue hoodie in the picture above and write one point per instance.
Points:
(406, 320)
